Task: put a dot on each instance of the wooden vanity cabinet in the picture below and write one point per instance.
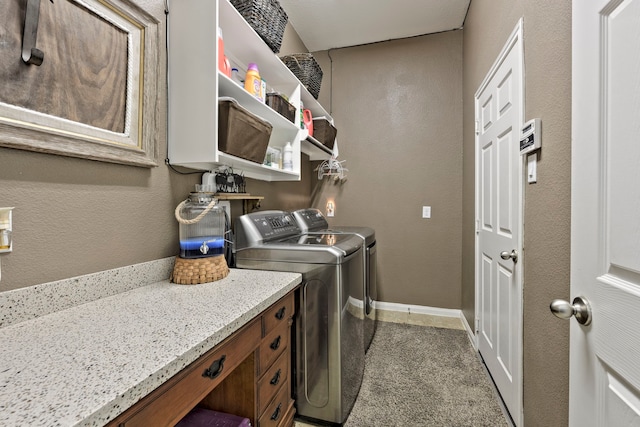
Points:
(248, 374)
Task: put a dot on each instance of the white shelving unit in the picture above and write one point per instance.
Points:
(195, 85)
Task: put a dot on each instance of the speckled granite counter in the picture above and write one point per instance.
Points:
(86, 364)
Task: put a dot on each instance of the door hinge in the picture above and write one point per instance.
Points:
(477, 226)
(477, 128)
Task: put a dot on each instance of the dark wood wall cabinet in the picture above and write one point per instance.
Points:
(248, 375)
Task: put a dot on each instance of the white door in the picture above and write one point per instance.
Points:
(605, 220)
(499, 105)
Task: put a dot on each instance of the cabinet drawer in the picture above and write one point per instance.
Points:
(272, 346)
(278, 314)
(277, 410)
(169, 403)
(272, 380)
(287, 421)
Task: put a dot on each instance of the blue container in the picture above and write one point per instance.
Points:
(202, 226)
(199, 247)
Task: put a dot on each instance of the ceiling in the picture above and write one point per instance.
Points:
(327, 24)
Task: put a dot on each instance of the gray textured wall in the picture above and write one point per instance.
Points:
(547, 57)
(398, 109)
(74, 216)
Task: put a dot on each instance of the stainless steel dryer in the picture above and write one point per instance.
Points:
(311, 221)
(329, 356)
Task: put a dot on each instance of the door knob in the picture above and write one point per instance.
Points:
(580, 308)
(506, 255)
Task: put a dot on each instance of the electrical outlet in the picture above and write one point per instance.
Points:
(331, 209)
(426, 212)
(226, 205)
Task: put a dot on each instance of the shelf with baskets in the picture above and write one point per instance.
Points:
(195, 86)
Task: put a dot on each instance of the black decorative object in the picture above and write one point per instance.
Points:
(229, 182)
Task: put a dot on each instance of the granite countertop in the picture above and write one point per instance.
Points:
(86, 364)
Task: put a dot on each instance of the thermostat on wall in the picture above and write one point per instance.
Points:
(531, 136)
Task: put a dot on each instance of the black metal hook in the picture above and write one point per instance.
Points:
(31, 54)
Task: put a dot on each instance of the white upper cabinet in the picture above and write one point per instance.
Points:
(195, 84)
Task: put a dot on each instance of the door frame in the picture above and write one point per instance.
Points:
(515, 41)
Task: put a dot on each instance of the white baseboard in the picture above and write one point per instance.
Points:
(470, 332)
(419, 315)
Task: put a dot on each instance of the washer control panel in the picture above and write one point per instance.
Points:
(276, 225)
(264, 226)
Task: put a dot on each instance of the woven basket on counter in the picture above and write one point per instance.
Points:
(266, 17)
(193, 271)
(306, 69)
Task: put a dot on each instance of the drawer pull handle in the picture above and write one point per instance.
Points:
(275, 344)
(276, 413)
(215, 369)
(276, 378)
(280, 313)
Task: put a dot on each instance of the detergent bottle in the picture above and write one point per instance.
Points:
(223, 61)
(252, 81)
(287, 160)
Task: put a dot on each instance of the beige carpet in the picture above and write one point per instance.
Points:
(424, 376)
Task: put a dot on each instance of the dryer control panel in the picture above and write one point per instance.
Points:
(311, 220)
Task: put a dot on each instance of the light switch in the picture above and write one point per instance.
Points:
(426, 212)
(532, 168)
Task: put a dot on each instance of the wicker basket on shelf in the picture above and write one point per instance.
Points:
(324, 131)
(278, 103)
(240, 132)
(306, 69)
(266, 17)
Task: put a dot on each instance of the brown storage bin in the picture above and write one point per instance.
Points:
(240, 133)
(324, 132)
(282, 106)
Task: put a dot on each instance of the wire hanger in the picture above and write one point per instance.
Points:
(333, 168)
